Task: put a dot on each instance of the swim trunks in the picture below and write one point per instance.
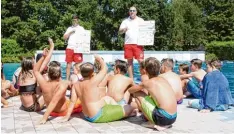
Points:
(157, 115)
(77, 109)
(107, 113)
(122, 102)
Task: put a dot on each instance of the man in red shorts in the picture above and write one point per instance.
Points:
(129, 26)
(71, 34)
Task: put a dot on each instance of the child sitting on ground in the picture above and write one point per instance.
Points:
(119, 83)
(172, 78)
(54, 90)
(184, 69)
(198, 73)
(216, 95)
(160, 107)
(7, 89)
(96, 109)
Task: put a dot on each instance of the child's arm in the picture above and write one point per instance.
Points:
(72, 104)
(186, 76)
(49, 55)
(136, 88)
(61, 89)
(96, 80)
(40, 79)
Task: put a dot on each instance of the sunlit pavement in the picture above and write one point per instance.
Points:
(14, 120)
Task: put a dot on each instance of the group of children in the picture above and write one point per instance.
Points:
(106, 97)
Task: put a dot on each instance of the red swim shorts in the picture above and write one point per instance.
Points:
(73, 57)
(77, 109)
(133, 50)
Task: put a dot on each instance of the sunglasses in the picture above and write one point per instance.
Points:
(132, 10)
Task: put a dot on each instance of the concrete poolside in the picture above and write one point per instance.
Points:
(14, 120)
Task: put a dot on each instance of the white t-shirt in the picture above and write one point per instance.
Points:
(132, 32)
(72, 38)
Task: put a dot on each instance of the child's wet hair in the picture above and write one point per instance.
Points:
(152, 67)
(184, 67)
(27, 65)
(121, 65)
(214, 63)
(54, 70)
(86, 69)
(168, 62)
(38, 57)
(196, 62)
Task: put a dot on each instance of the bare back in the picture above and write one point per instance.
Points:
(27, 100)
(117, 86)
(49, 90)
(89, 97)
(162, 93)
(199, 74)
(174, 80)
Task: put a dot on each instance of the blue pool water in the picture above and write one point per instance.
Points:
(227, 69)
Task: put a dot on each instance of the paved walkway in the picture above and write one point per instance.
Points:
(14, 120)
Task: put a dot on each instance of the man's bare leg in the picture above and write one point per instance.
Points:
(130, 68)
(68, 70)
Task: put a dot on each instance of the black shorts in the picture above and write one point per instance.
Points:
(160, 119)
(32, 108)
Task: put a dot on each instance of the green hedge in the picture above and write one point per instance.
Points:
(11, 51)
(222, 50)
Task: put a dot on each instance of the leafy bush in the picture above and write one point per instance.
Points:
(211, 56)
(223, 50)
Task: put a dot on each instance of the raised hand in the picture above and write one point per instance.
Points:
(51, 42)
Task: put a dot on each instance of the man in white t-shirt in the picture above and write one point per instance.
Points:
(71, 34)
(131, 50)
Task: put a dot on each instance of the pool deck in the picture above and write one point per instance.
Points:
(14, 120)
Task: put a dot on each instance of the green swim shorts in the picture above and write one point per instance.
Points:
(148, 106)
(108, 113)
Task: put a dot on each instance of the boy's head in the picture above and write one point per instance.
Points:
(195, 64)
(167, 64)
(121, 67)
(213, 64)
(54, 70)
(87, 70)
(76, 68)
(152, 67)
(183, 69)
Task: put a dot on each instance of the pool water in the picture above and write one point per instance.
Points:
(227, 69)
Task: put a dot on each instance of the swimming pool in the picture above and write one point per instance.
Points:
(227, 69)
